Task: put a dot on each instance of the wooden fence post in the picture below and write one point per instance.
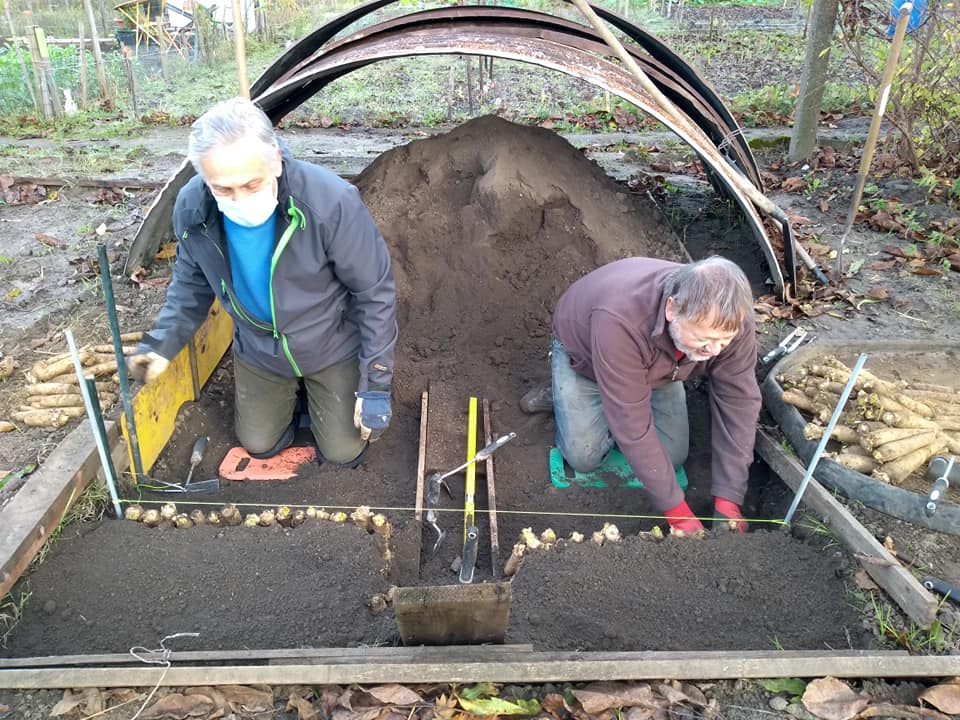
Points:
(97, 57)
(43, 91)
(131, 80)
(83, 67)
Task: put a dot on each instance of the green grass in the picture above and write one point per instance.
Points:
(11, 610)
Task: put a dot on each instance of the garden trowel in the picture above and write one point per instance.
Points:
(196, 456)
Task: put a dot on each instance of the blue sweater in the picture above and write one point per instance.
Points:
(251, 249)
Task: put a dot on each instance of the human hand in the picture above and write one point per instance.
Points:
(726, 516)
(146, 367)
(682, 521)
(371, 413)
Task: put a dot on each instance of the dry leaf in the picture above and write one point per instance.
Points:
(49, 241)
(636, 713)
(601, 696)
(944, 697)
(555, 705)
(832, 699)
(305, 710)
(823, 205)
(166, 251)
(445, 708)
(368, 714)
(794, 184)
(864, 581)
(882, 265)
(799, 220)
(179, 707)
(248, 699)
(901, 712)
(67, 704)
(93, 703)
(395, 695)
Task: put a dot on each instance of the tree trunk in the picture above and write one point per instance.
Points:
(803, 139)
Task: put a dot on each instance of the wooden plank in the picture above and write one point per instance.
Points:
(38, 507)
(491, 494)
(421, 456)
(903, 587)
(453, 614)
(123, 182)
(446, 419)
(359, 654)
(528, 668)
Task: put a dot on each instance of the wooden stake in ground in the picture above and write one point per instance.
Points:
(43, 92)
(131, 80)
(883, 95)
(241, 51)
(83, 67)
(97, 57)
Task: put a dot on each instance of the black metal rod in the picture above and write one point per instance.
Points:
(121, 364)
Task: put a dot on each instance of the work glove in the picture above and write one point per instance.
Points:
(726, 516)
(682, 521)
(146, 367)
(371, 413)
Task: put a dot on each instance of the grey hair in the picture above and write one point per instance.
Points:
(713, 290)
(228, 122)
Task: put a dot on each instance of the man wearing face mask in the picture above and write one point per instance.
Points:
(626, 336)
(296, 259)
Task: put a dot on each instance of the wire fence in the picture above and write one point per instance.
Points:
(140, 89)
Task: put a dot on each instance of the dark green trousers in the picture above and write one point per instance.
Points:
(264, 405)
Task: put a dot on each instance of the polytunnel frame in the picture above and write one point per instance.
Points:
(519, 35)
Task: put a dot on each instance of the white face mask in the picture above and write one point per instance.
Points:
(253, 210)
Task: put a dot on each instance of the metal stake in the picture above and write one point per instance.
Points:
(95, 417)
(121, 362)
(827, 432)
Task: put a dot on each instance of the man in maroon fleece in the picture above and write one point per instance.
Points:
(625, 337)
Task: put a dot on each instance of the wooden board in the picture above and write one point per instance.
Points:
(468, 665)
(155, 406)
(37, 508)
(453, 614)
(903, 587)
(446, 446)
(491, 494)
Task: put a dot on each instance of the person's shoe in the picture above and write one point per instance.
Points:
(538, 400)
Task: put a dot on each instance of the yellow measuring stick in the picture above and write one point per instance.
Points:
(471, 472)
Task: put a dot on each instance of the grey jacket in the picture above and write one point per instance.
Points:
(612, 324)
(332, 290)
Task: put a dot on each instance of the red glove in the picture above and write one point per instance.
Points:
(682, 520)
(726, 515)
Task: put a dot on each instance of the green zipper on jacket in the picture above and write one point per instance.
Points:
(240, 311)
(297, 222)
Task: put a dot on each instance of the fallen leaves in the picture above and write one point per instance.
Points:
(945, 697)
(832, 699)
(14, 192)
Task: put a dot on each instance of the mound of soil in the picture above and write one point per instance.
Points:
(487, 225)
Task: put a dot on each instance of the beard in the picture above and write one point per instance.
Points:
(694, 355)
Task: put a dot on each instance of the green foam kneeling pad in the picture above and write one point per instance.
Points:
(614, 470)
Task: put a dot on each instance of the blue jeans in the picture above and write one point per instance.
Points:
(583, 436)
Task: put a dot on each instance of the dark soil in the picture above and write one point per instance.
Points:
(487, 225)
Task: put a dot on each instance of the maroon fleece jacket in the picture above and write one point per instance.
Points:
(613, 326)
